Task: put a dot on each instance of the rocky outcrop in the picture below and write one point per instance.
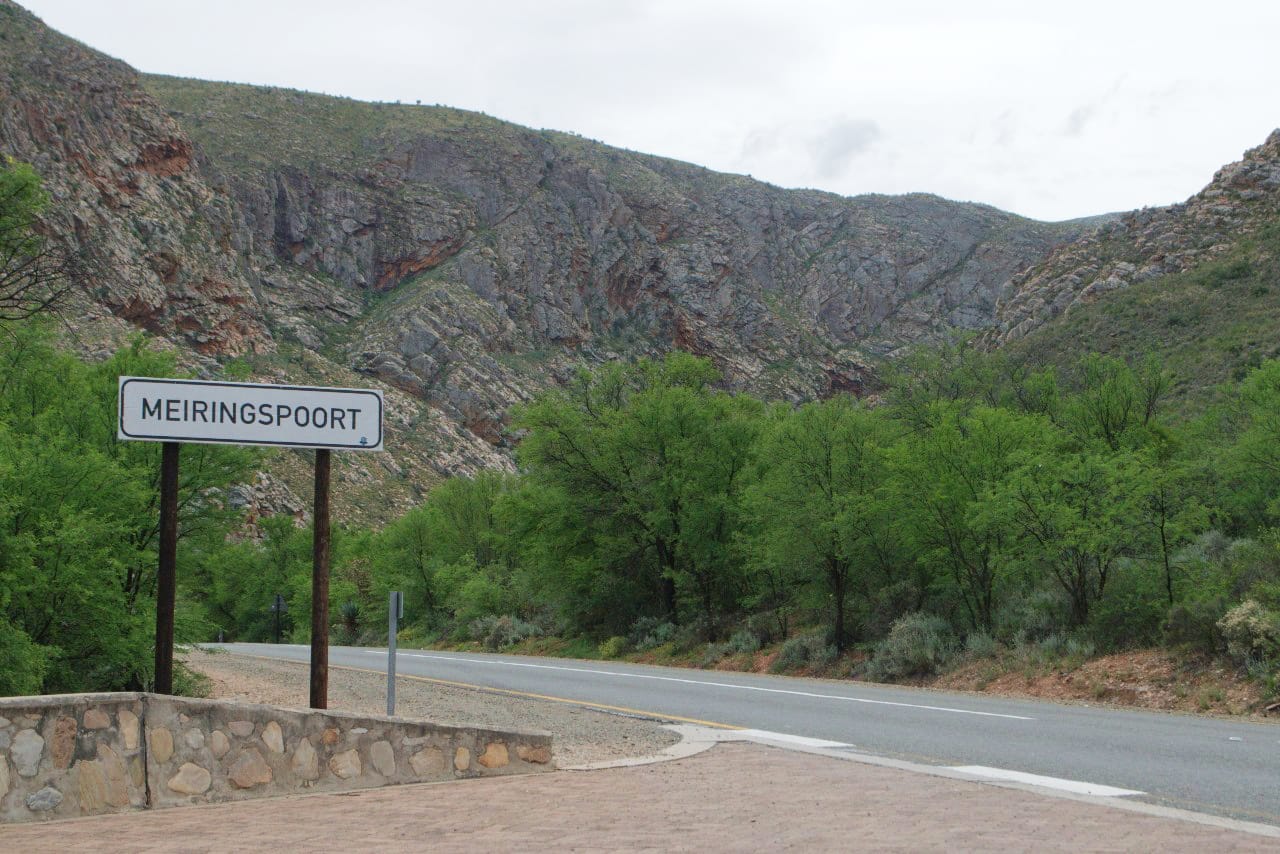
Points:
(125, 192)
(460, 262)
(498, 258)
(1242, 198)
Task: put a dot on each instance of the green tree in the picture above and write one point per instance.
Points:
(34, 272)
(819, 505)
(944, 476)
(78, 511)
(638, 469)
(1072, 514)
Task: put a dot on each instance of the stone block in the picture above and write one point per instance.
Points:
(113, 768)
(495, 755)
(537, 755)
(92, 781)
(219, 744)
(44, 800)
(62, 744)
(241, 729)
(462, 759)
(191, 779)
(383, 758)
(345, 765)
(250, 770)
(27, 750)
(331, 736)
(161, 745)
(128, 728)
(305, 763)
(428, 762)
(4, 777)
(96, 719)
(194, 739)
(272, 737)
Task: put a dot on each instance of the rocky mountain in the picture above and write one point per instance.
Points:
(1241, 201)
(460, 261)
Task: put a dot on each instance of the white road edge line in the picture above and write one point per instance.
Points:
(498, 662)
(764, 736)
(1075, 786)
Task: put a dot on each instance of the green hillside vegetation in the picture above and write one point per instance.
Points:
(988, 504)
(1209, 326)
(984, 507)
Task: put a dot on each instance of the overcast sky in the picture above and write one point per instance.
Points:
(1052, 110)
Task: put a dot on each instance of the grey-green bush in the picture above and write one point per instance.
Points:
(1252, 633)
(980, 645)
(714, 653)
(498, 632)
(744, 640)
(919, 644)
(650, 632)
(804, 651)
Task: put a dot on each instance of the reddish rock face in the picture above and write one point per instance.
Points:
(464, 261)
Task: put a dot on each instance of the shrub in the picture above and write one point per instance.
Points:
(1194, 625)
(888, 604)
(349, 628)
(804, 651)
(768, 626)
(980, 645)
(690, 636)
(919, 644)
(715, 652)
(1031, 617)
(613, 647)
(1252, 633)
(25, 662)
(497, 632)
(744, 640)
(1131, 612)
(650, 632)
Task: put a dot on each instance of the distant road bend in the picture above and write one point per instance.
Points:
(1212, 765)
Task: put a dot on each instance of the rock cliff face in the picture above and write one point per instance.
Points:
(1242, 198)
(125, 190)
(461, 261)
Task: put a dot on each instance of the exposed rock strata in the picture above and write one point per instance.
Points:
(461, 262)
(1145, 244)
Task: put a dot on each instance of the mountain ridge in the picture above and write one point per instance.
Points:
(463, 263)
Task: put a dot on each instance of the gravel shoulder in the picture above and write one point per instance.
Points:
(579, 735)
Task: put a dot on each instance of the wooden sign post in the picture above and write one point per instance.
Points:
(176, 411)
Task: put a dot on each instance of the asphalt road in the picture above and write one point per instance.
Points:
(1212, 765)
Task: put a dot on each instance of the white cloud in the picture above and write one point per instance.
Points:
(836, 146)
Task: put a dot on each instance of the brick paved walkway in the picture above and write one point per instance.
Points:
(736, 797)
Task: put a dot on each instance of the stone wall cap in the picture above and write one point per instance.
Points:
(41, 701)
(47, 701)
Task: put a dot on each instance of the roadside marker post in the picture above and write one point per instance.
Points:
(152, 409)
(278, 607)
(395, 613)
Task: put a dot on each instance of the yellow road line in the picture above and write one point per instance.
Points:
(526, 694)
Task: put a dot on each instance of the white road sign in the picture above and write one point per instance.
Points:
(160, 410)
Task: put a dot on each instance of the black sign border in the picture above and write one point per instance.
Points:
(124, 381)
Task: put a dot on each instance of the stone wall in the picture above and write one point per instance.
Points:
(76, 754)
(85, 754)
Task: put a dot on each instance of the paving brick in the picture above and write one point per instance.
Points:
(735, 797)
